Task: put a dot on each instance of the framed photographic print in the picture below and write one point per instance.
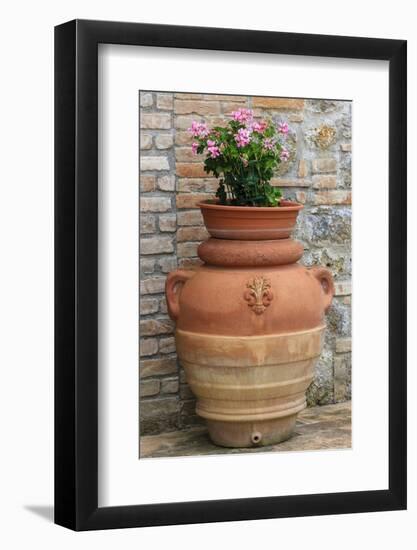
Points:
(230, 275)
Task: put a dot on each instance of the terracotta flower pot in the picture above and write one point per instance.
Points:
(250, 223)
(249, 324)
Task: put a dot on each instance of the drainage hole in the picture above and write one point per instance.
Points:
(256, 437)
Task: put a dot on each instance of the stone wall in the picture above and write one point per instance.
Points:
(172, 181)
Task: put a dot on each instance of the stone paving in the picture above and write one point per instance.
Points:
(317, 428)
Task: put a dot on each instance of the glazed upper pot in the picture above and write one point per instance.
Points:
(249, 324)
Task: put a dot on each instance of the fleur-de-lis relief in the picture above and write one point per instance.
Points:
(258, 294)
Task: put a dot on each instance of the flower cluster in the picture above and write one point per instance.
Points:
(268, 143)
(243, 137)
(285, 155)
(199, 129)
(283, 128)
(212, 148)
(242, 115)
(259, 127)
(244, 154)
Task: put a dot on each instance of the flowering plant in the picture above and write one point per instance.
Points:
(244, 155)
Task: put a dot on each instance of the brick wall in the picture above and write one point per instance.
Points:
(172, 181)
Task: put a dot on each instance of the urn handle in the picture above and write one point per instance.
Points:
(325, 279)
(173, 286)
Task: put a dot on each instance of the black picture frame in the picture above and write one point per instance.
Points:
(76, 272)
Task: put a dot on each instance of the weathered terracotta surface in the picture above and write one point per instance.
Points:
(251, 254)
(250, 326)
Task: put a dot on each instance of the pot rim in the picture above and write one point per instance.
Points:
(290, 206)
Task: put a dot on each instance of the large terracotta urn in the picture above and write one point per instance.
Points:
(249, 323)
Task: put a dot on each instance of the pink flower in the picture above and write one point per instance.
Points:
(213, 148)
(259, 127)
(198, 129)
(285, 154)
(242, 137)
(283, 128)
(268, 143)
(242, 115)
(194, 147)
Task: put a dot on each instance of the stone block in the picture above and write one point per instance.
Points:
(155, 204)
(183, 138)
(278, 103)
(147, 183)
(163, 303)
(187, 250)
(199, 107)
(193, 185)
(325, 165)
(148, 346)
(147, 224)
(155, 121)
(192, 234)
(333, 197)
(165, 101)
(166, 183)
(164, 141)
(146, 99)
(148, 388)
(154, 163)
(148, 306)
(147, 265)
(153, 285)
(158, 367)
(193, 217)
(324, 182)
(168, 222)
(190, 170)
(155, 327)
(168, 263)
(228, 107)
(167, 345)
(145, 141)
(156, 245)
(296, 117)
(169, 385)
(302, 168)
(185, 154)
(191, 200)
(184, 122)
